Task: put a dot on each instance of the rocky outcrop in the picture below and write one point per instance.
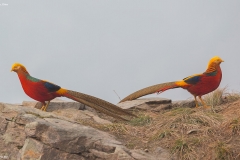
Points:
(29, 133)
(155, 104)
(55, 104)
(152, 104)
(184, 104)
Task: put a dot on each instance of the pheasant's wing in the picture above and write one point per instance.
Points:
(194, 79)
(51, 87)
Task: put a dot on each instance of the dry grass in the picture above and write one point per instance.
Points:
(117, 128)
(187, 133)
(220, 96)
(215, 98)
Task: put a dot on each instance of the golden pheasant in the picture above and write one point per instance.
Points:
(44, 92)
(197, 85)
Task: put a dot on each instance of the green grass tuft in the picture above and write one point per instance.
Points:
(180, 145)
(223, 152)
(141, 120)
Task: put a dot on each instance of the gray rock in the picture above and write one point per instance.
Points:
(74, 138)
(29, 133)
(78, 115)
(163, 154)
(154, 104)
(162, 107)
(14, 134)
(12, 139)
(34, 149)
(3, 125)
(95, 117)
(141, 155)
(72, 114)
(73, 110)
(184, 104)
(55, 104)
(23, 119)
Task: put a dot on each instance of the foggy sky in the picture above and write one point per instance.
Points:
(95, 47)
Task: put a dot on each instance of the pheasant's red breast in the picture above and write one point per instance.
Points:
(207, 83)
(35, 88)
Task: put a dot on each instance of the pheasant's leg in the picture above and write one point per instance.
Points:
(45, 108)
(43, 105)
(196, 102)
(203, 103)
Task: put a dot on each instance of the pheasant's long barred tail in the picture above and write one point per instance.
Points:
(102, 110)
(98, 104)
(149, 90)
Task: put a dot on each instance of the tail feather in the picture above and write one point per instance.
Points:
(102, 110)
(149, 90)
(98, 104)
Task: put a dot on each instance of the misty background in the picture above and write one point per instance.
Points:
(95, 47)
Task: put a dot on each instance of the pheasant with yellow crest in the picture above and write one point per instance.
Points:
(198, 84)
(44, 92)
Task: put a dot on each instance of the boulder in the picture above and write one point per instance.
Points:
(163, 154)
(155, 104)
(55, 104)
(3, 125)
(71, 110)
(152, 104)
(34, 149)
(184, 104)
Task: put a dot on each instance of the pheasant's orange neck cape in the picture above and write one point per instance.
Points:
(197, 84)
(43, 91)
